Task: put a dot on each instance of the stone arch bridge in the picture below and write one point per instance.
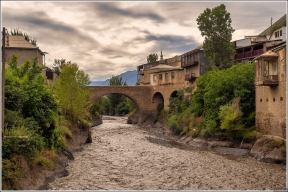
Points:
(146, 98)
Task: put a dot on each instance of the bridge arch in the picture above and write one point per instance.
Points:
(174, 94)
(157, 99)
(136, 103)
(140, 95)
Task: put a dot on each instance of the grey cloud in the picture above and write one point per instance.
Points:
(43, 25)
(63, 40)
(170, 42)
(110, 10)
(114, 51)
(115, 57)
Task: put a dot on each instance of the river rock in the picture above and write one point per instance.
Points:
(269, 149)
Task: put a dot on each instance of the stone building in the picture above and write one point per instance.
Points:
(166, 76)
(145, 70)
(252, 46)
(17, 44)
(194, 64)
(270, 88)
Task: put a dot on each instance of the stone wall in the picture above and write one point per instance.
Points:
(271, 102)
(23, 54)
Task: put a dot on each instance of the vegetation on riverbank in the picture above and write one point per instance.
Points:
(222, 105)
(39, 119)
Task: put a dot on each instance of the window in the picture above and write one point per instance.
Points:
(166, 76)
(154, 77)
(283, 66)
(172, 75)
(259, 69)
(274, 69)
(280, 33)
(276, 34)
(266, 68)
(160, 76)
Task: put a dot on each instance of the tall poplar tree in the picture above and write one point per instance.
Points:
(72, 91)
(215, 26)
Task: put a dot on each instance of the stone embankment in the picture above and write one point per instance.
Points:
(267, 149)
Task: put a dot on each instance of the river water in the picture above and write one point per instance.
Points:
(126, 157)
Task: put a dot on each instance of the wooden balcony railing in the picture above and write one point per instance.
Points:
(268, 80)
(189, 77)
(249, 54)
(188, 63)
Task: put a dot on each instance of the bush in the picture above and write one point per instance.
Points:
(210, 127)
(173, 125)
(29, 147)
(216, 89)
(11, 172)
(250, 135)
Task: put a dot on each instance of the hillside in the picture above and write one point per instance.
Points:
(129, 76)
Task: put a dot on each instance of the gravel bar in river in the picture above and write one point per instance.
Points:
(125, 157)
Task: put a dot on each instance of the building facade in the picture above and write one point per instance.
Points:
(16, 44)
(270, 88)
(253, 46)
(194, 64)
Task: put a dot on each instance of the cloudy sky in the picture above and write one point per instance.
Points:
(109, 38)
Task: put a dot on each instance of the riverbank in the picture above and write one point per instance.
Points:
(129, 157)
(267, 149)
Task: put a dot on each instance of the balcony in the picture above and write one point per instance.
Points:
(189, 63)
(268, 80)
(141, 72)
(248, 54)
(190, 77)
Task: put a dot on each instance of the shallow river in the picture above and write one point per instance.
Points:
(125, 157)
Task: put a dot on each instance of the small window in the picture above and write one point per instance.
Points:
(172, 75)
(280, 33)
(273, 99)
(166, 76)
(260, 100)
(160, 76)
(277, 34)
(266, 99)
(281, 98)
(154, 77)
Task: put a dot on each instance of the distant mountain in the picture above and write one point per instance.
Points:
(129, 76)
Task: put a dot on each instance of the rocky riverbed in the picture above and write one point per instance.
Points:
(127, 157)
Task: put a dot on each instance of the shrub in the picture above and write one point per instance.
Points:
(29, 147)
(11, 172)
(43, 162)
(173, 125)
(250, 135)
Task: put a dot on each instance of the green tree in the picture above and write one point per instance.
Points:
(215, 26)
(71, 89)
(31, 109)
(152, 58)
(220, 87)
(58, 65)
(117, 101)
(29, 102)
